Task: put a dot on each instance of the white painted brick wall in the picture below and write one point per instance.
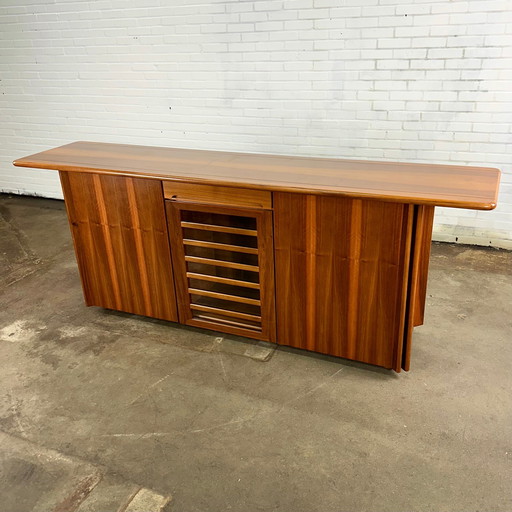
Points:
(417, 80)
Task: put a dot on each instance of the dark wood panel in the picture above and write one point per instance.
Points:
(120, 236)
(341, 275)
(446, 185)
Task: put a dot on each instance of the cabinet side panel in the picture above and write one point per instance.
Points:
(422, 252)
(120, 236)
(340, 275)
(420, 255)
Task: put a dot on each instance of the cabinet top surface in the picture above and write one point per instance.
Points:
(442, 185)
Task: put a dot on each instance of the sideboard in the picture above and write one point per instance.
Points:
(321, 254)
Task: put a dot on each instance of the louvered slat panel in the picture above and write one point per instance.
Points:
(225, 263)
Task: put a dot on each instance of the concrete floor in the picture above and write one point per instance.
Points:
(208, 420)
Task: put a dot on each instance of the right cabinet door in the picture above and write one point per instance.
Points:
(342, 271)
(224, 267)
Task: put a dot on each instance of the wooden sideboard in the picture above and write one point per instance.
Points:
(321, 254)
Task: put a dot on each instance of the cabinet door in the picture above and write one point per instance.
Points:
(342, 270)
(224, 268)
(120, 235)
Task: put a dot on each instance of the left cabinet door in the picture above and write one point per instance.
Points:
(120, 234)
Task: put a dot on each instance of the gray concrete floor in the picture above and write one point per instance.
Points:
(179, 411)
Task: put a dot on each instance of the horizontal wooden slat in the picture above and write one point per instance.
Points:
(224, 296)
(214, 194)
(221, 229)
(223, 280)
(222, 247)
(225, 312)
(220, 263)
(225, 321)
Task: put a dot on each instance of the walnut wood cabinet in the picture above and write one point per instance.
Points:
(325, 255)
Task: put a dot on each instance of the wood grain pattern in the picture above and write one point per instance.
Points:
(341, 276)
(445, 185)
(256, 323)
(229, 196)
(120, 236)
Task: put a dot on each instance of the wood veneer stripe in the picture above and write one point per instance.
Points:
(108, 240)
(139, 246)
(356, 225)
(311, 241)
